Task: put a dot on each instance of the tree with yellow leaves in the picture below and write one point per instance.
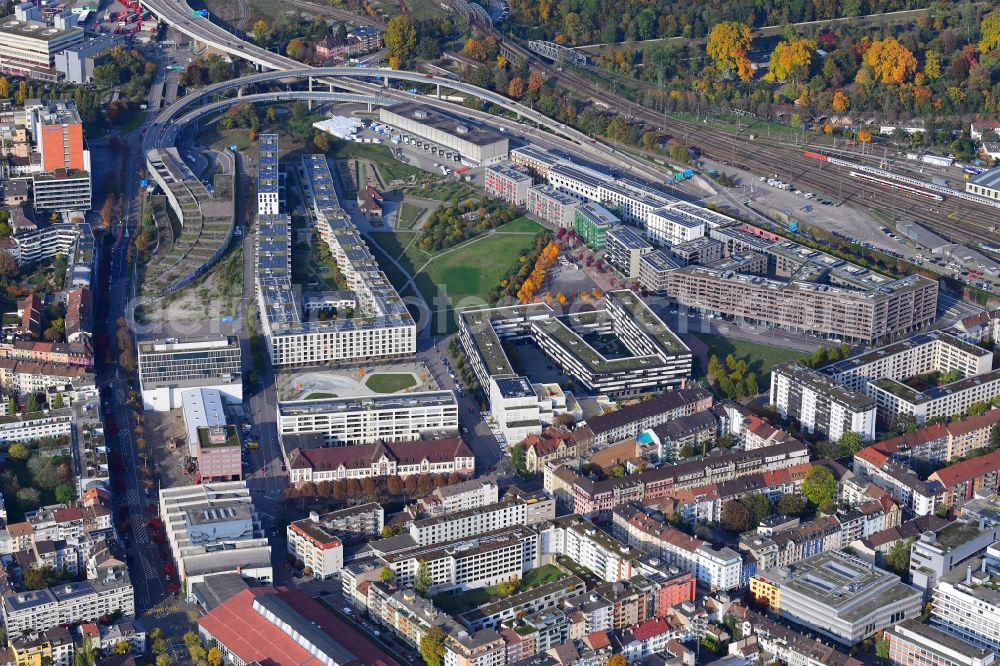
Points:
(989, 31)
(596, 293)
(891, 62)
(932, 65)
(561, 298)
(727, 46)
(400, 38)
(790, 60)
(864, 136)
(475, 49)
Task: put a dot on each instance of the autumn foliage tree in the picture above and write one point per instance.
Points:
(400, 39)
(989, 32)
(790, 60)
(534, 281)
(891, 62)
(727, 46)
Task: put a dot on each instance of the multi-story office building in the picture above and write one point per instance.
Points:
(475, 142)
(625, 250)
(69, 603)
(507, 183)
(168, 367)
(368, 419)
(839, 596)
(819, 403)
(719, 568)
(936, 553)
(62, 191)
(899, 306)
(213, 528)
(657, 358)
(28, 48)
(914, 644)
(217, 449)
(551, 205)
(967, 605)
(362, 461)
(880, 372)
(593, 222)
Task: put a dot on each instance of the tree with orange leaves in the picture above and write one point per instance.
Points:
(840, 101)
(727, 46)
(515, 89)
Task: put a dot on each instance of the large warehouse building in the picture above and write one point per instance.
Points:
(475, 142)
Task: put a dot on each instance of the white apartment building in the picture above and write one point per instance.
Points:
(590, 547)
(625, 248)
(318, 549)
(821, 404)
(364, 420)
(471, 522)
(880, 373)
(69, 603)
(551, 206)
(213, 528)
(481, 560)
(916, 355)
(470, 494)
(675, 224)
(168, 367)
(37, 425)
(507, 183)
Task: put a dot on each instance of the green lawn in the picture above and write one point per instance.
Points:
(521, 225)
(456, 604)
(464, 274)
(390, 382)
(320, 395)
(760, 358)
(407, 215)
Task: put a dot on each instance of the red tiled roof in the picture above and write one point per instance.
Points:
(67, 515)
(872, 456)
(967, 470)
(252, 638)
(598, 640)
(650, 628)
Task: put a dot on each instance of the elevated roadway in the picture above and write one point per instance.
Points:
(179, 15)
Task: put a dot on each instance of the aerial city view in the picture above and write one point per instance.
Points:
(499, 333)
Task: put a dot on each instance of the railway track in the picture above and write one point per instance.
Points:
(957, 221)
